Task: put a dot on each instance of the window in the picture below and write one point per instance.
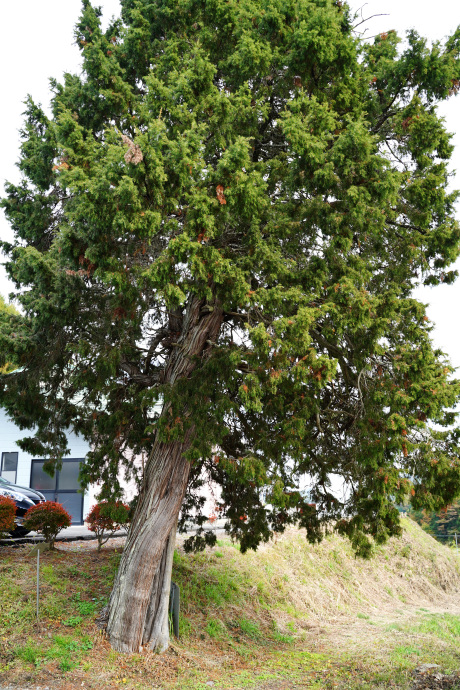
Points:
(63, 487)
(9, 467)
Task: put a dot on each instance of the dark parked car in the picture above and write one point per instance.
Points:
(24, 498)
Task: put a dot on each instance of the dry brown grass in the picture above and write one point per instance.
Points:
(325, 583)
(290, 610)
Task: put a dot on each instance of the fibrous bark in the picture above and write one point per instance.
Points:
(138, 608)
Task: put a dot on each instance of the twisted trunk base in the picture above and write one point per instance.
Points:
(156, 627)
(138, 607)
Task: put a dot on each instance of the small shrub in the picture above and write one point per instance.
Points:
(106, 518)
(7, 513)
(47, 518)
(405, 551)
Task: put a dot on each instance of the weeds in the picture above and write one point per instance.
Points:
(216, 629)
(277, 617)
(67, 651)
(73, 621)
(250, 628)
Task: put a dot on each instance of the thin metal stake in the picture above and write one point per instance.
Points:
(38, 580)
(456, 542)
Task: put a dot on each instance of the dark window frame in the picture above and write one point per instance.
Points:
(10, 452)
(56, 489)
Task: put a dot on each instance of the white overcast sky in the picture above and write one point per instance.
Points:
(36, 43)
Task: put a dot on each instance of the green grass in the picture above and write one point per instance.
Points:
(283, 638)
(73, 621)
(249, 628)
(246, 621)
(216, 629)
(67, 651)
(443, 626)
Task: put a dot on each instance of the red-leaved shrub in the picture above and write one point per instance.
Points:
(47, 518)
(106, 518)
(7, 513)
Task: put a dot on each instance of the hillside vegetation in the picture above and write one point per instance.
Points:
(291, 580)
(288, 616)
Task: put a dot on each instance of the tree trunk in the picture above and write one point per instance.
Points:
(138, 607)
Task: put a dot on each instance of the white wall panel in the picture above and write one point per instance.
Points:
(10, 434)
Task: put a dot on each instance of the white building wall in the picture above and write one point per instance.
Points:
(129, 492)
(10, 434)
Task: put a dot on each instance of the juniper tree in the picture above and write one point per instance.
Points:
(7, 312)
(217, 236)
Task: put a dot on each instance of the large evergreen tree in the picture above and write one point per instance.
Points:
(7, 314)
(224, 219)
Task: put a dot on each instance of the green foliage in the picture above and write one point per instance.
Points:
(249, 628)
(216, 629)
(443, 525)
(65, 649)
(8, 314)
(87, 608)
(73, 621)
(259, 161)
(282, 637)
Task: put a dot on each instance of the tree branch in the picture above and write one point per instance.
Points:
(137, 376)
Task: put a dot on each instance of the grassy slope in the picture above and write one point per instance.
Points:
(291, 616)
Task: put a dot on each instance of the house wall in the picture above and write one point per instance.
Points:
(129, 487)
(10, 434)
